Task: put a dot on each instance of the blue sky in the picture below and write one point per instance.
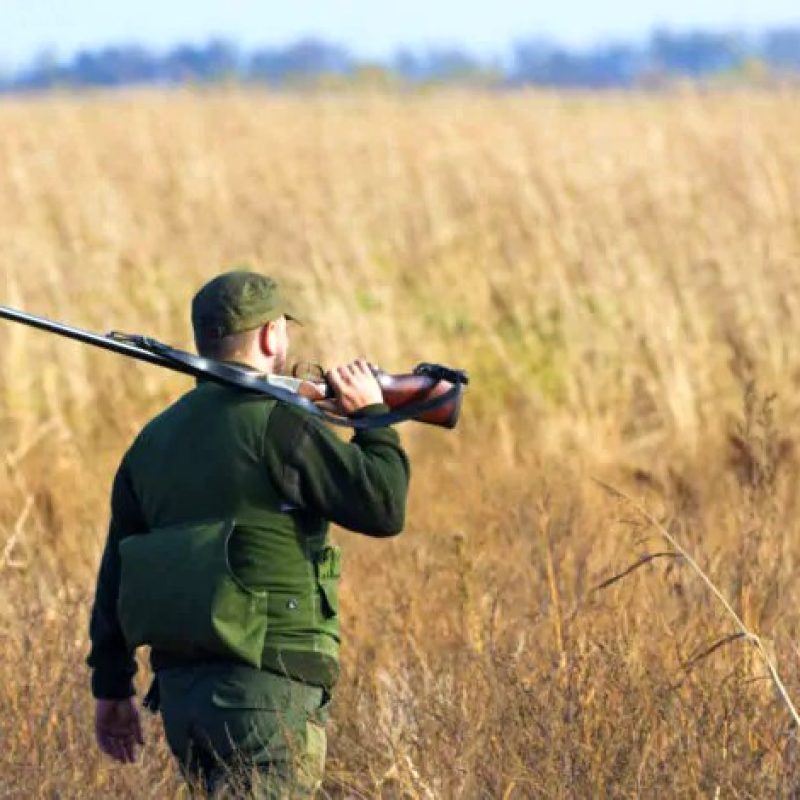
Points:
(369, 27)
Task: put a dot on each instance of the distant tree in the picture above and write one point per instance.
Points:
(437, 64)
(312, 61)
(530, 58)
(43, 72)
(781, 48)
(213, 61)
(697, 53)
(306, 58)
(408, 65)
(537, 61)
(112, 66)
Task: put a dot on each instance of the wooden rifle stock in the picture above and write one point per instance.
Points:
(426, 383)
(401, 390)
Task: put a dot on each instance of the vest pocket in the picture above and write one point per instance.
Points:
(329, 570)
(178, 593)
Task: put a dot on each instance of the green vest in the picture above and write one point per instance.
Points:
(205, 458)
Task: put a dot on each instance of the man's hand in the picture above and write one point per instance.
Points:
(355, 386)
(118, 729)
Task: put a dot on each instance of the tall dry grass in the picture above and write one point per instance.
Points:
(621, 276)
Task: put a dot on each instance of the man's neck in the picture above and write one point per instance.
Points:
(262, 368)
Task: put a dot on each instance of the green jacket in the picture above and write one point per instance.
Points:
(222, 453)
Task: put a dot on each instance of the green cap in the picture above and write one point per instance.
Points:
(234, 302)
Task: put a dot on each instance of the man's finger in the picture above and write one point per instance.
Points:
(138, 734)
(124, 750)
(103, 741)
(346, 373)
(340, 388)
(110, 746)
(335, 380)
(103, 745)
(128, 747)
(118, 751)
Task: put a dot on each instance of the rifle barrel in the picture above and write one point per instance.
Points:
(94, 339)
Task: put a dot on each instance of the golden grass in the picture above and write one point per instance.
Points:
(621, 276)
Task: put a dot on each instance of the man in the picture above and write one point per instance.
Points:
(220, 453)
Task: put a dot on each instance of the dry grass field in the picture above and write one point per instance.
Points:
(621, 277)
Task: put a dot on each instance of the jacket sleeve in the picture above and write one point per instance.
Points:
(361, 485)
(112, 662)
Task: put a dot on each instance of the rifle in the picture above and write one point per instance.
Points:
(431, 393)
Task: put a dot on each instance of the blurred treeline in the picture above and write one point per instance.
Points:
(663, 57)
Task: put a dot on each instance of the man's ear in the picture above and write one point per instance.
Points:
(266, 339)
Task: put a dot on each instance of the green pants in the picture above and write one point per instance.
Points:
(239, 732)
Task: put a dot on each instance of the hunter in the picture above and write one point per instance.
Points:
(218, 555)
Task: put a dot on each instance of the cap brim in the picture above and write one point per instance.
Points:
(292, 318)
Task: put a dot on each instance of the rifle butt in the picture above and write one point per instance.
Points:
(402, 390)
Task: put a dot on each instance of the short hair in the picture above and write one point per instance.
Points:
(225, 348)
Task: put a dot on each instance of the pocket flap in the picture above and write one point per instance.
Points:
(179, 594)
